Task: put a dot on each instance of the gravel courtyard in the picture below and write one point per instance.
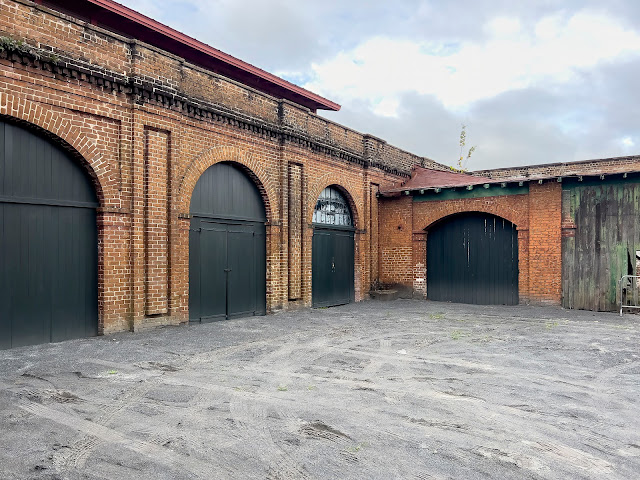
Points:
(374, 390)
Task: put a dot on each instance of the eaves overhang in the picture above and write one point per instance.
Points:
(420, 183)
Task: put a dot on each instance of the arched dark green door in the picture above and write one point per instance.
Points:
(48, 242)
(473, 258)
(333, 250)
(227, 246)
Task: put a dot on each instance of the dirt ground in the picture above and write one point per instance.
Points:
(377, 390)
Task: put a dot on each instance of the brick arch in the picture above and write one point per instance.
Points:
(346, 187)
(61, 131)
(249, 163)
(452, 208)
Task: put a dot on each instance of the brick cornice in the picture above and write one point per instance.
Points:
(144, 92)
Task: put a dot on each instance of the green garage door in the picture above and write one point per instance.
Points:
(333, 250)
(48, 242)
(227, 246)
(473, 258)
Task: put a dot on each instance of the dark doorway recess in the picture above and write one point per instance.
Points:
(333, 250)
(473, 258)
(227, 246)
(48, 242)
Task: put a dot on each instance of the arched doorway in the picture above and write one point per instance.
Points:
(48, 242)
(333, 250)
(473, 258)
(227, 246)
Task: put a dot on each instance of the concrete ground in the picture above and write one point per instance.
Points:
(375, 390)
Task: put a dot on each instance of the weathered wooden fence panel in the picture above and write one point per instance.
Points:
(601, 235)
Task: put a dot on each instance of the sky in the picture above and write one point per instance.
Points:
(534, 82)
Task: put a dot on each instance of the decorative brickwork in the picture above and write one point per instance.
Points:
(157, 176)
(295, 232)
(145, 125)
(351, 192)
(511, 207)
(254, 168)
(67, 135)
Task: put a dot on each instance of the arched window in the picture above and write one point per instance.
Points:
(332, 209)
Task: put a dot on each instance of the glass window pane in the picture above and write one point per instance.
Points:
(332, 209)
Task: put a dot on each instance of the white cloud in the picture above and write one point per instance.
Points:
(380, 69)
(503, 26)
(387, 107)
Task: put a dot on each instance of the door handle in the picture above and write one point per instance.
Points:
(333, 264)
(227, 270)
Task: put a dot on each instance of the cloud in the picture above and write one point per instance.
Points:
(382, 68)
(594, 116)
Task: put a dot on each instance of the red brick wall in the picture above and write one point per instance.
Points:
(537, 219)
(294, 245)
(395, 244)
(147, 125)
(545, 242)
(156, 220)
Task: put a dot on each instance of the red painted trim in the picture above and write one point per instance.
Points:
(141, 19)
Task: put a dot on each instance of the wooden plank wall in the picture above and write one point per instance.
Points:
(601, 234)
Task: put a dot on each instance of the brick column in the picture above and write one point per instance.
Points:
(545, 243)
(179, 300)
(419, 261)
(396, 225)
(373, 237)
(115, 270)
(295, 231)
(359, 239)
(523, 265)
(307, 239)
(276, 289)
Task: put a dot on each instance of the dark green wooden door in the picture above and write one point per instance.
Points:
(213, 278)
(333, 269)
(245, 266)
(48, 242)
(332, 260)
(323, 270)
(227, 247)
(473, 258)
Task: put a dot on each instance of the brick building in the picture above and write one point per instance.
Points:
(575, 231)
(142, 171)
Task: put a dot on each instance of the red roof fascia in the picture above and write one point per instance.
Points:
(126, 12)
